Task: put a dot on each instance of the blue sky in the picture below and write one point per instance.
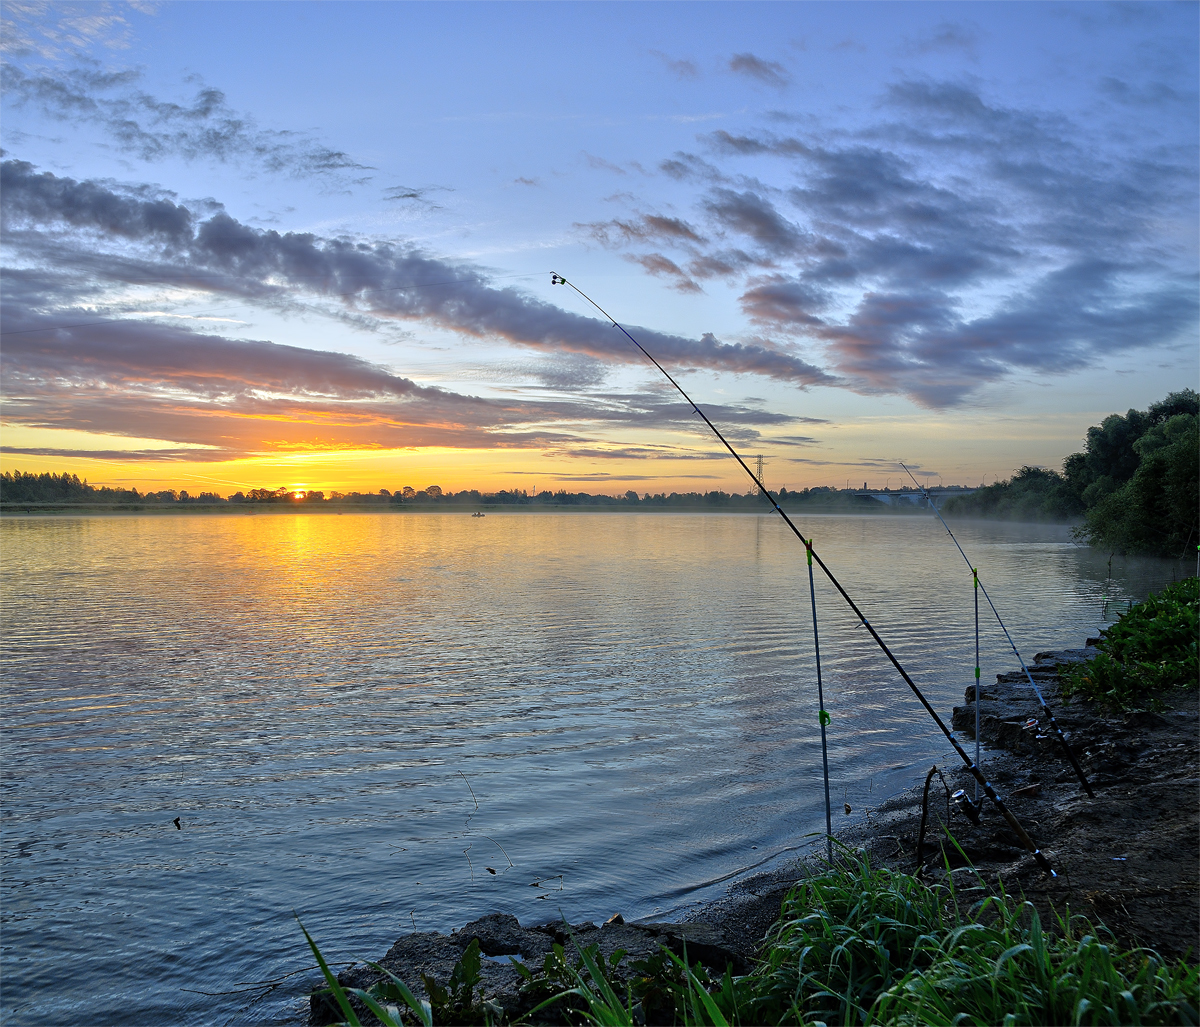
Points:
(310, 244)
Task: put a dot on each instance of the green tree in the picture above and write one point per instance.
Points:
(1156, 512)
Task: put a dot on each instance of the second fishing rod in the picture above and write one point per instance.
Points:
(988, 790)
(1032, 684)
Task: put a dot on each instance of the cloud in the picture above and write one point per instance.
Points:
(416, 196)
(682, 68)
(948, 243)
(647, 226)
(603, 477)
(600, 164)
(211, 397)
(571, 372)
(184, 454)
(381, 280)
(1151, 94)
(206, 128)
(946, 37)
(53, 31)
(664, 267)
(750, 214)
(769, 73)
(636, 453)
(241, 397)
(685, 167)
(792, 440)
(783, 302)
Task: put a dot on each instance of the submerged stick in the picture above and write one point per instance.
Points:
(988, 790)
(1032, 684)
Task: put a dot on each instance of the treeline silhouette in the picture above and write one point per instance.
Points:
(1136, 484)
(18, 488)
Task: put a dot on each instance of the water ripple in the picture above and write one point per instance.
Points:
(629, 698)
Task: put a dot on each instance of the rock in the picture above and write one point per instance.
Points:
(500, 934)
(1145, 720)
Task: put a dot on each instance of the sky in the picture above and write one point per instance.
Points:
(310, 244)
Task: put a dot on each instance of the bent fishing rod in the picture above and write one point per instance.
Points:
(1033, 684)
(988, 790)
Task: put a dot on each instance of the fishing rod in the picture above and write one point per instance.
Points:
(822, 715)
(1033, 684)
(988, 790)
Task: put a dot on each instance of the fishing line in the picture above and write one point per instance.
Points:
(1033, 684)
(989, 791)
(822, 716)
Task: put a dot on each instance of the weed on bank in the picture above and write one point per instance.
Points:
(853, 945)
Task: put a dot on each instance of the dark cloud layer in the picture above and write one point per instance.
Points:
(951, 243)
(167, 242)
(67, 368)
(238, 397)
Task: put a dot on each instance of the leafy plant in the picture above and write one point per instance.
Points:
(581, 990)
(391, 991)
(457, 1003)
(1151, 648)
(845, 936)
(1008, 970)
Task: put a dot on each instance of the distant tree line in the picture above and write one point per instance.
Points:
(68, 489)
(57, 490)
(1136, 484)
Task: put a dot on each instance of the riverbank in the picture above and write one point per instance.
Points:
(1128, 858)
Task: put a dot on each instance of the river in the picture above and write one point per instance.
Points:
(389, 721)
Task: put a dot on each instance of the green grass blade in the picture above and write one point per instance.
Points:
(422, 1009)
(339, 992)
(715, 1017)
(372, 1004)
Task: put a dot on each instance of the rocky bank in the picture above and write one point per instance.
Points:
(1130, 857)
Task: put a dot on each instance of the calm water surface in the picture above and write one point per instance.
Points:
(355, 716)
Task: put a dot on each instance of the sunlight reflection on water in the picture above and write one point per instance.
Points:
(630, 699)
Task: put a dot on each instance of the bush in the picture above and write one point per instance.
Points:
(1150, 649)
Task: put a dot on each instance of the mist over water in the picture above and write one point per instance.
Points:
(355, 716)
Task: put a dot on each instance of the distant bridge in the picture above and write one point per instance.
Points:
(913, 497)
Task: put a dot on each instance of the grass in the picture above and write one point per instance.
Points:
(856, 945)
(1151, 649)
